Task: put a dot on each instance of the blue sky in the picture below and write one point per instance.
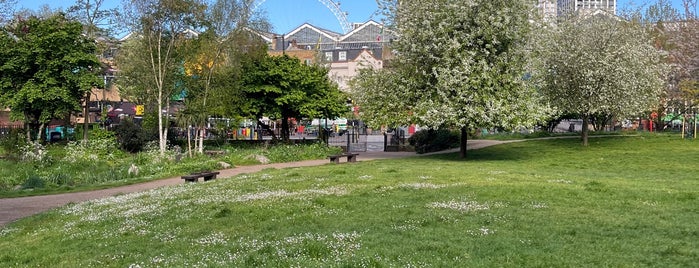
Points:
(285, 15)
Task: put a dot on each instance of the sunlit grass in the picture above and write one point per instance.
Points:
(621, 202)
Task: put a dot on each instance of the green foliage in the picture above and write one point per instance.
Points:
(524, 204)
(153, 64)
(102, 134)
(96, 150)
(431, 140)
(47, 66)
(100, 163)
(283, 87)
(383, 97)
(33, 182)
(287, 153)
(11, 142)
(131, 137)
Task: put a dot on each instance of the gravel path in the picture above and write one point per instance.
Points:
(12, 209)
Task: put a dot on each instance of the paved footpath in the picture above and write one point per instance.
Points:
(12, 209)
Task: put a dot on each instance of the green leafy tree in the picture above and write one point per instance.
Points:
(283, 87)
(47, 68)
(599, 64)
(97, 22)
(461, 64)
(229, 25)
(163, 27)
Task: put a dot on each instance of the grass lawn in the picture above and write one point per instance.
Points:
(621, 202)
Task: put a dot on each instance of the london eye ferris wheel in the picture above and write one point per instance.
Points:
(333, 6)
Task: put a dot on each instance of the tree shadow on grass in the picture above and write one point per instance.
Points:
(531, 150)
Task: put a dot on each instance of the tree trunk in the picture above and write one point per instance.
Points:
(39, 137)
(161, 139)
(462, 144)
(86, 117)
(202, 133)
(189, 142)
(585, 129)
(28, 131)
(166, 125)
(285, 129)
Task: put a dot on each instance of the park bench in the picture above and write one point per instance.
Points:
(194, 177)
(336, 158)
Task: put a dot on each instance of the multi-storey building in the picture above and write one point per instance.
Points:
(566, 7)
(345, 54)
(547, 9)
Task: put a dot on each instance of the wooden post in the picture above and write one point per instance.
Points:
(683, 126)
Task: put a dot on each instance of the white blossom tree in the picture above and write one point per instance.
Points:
(599, 64)
(459, 63)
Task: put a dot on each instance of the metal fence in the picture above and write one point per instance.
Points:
(6, 130)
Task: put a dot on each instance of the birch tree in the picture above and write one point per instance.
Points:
(599, 65)
(229, 28)
(461, 64)
(163, 27)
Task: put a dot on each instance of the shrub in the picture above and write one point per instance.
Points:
(96, 149)
(130, 136)
(101, 134)
(34, 152)
(33, 182)
(431, 140)
(295, 152)
(11, 142)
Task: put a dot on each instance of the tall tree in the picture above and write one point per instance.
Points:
(97, 22)
(462, 63)
(229, 26)
(677, 33)
(599, 64)
(164, 26)
(685, 53)
(282, 87)
(47, 67)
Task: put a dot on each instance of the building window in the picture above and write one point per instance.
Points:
(342, 56)
(328, 56)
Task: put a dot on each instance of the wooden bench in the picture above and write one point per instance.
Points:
(194, 177)
(336, 158)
